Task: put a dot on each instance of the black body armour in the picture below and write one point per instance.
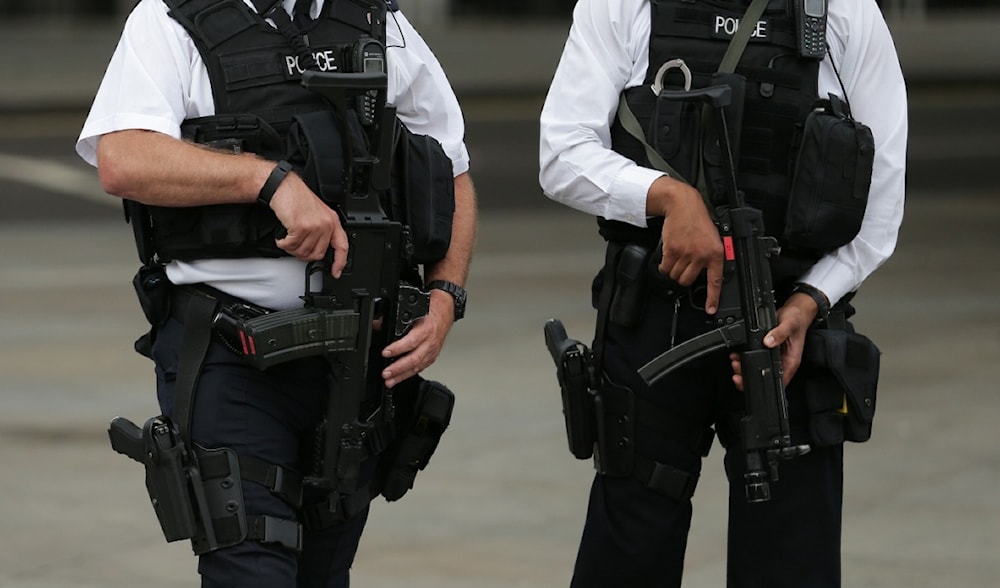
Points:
(780, 91)
(255, 74)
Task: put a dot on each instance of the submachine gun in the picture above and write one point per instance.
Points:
(746, 313)
(336, 320)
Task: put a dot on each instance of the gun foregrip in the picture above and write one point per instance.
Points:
(126, 438)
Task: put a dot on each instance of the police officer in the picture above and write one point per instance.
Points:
(180, 64)
(637, 522)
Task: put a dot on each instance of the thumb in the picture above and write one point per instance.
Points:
(776, 336)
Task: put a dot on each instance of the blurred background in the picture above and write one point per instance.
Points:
(502, 502)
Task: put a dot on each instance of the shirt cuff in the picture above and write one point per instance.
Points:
(831, 277)
(628, 195)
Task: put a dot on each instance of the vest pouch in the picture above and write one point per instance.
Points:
(675, 132)
(831, 179)
(214, 231)
(839, 375)
(316, 151)
(715, 160)
(424, 193)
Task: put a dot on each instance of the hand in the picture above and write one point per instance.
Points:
(794, 319)
(691, 241)
(313, 227)
(421, 346)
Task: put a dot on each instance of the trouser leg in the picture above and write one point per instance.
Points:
(270, 416)
(635, 536)
(793, 540)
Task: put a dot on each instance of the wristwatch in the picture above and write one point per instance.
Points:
(822, 302)
(457, 292)
(281, 169)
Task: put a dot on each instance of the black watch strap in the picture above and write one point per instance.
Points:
(273, 181)
(822, 302)
(457, 292)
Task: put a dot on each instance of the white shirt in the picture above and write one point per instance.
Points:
(156, 79)
(608, 51)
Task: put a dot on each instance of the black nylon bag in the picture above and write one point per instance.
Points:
(833, 173)
(424, 191)
(840, 370)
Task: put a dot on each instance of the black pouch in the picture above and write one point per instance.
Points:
(675, 132)
(424, 194)
(831, 180)
(839, 375)
(424, 410)
(152, 288)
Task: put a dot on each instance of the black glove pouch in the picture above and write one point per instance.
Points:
(832, 176)
(152, 288)
(423, 412)
(839, 377)
(423, 194)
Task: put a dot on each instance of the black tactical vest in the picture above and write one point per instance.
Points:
(255, 74)
(781, 89)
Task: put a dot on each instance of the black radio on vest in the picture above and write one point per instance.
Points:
(811, 15)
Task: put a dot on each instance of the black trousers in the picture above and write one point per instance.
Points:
(271, 416)
(637, 538)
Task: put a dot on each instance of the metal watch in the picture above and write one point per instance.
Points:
(457, 292)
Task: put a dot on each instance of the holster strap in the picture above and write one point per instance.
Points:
(265, 529)
(282, 482)
(667, 480)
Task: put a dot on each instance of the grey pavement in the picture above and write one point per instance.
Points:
(501, 503)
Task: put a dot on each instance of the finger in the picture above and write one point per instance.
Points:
(714, 286)
(738, 382)
(340, 246)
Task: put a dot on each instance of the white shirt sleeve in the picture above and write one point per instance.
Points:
(604, 54)
(421, 91)
(864, 54)
(148, 82)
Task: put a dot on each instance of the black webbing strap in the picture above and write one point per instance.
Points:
(263, 528)
(664, 479)
(604, 303)
(282, 482)
(194, 346)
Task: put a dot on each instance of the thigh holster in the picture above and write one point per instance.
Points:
(222, 472)
(617, 455)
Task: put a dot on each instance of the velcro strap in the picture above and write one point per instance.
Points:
(267, 529)
(664, 479)
(283, 482)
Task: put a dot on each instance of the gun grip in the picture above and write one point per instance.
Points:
(126, 438)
